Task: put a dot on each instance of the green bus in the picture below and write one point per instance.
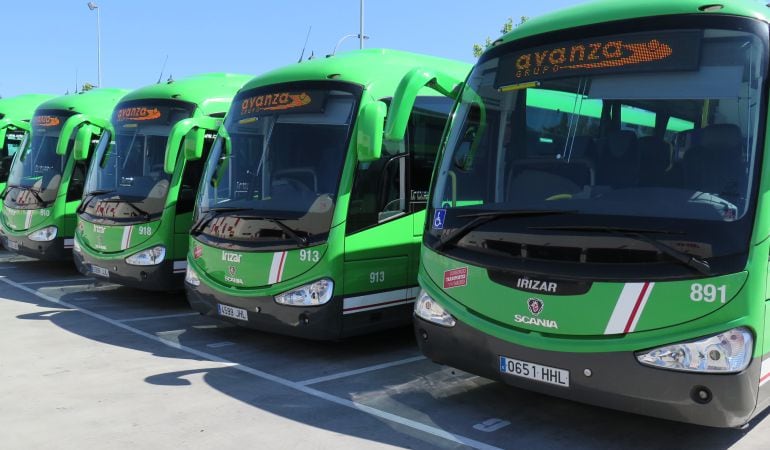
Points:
(589, 256)
(46, 180)
(305, 225)
(15, 114)
(140, 190)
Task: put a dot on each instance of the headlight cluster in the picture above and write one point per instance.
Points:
(76, 245)
(149, 257)
(191, 278)
(427, 308)
(313, 294)
(725, 352)
(43, 235)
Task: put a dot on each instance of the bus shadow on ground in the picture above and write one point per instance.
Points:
(435, 397)
(536, 420)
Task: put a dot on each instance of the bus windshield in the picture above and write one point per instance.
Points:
(37, 170)
(654, 130)
(279, 158)
(127, 175)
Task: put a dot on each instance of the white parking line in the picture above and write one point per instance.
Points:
(220, 344)
(432, 430)
(350, 373)
(167, 316)
(62, 280)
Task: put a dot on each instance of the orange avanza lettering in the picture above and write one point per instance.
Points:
(590, 56)
(138, 113)
(47, 121)
(274, 102)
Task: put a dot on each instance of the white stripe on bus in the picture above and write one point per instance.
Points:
(28, 219)
(387, 299)
(126, 240)
(629, 307)
(764, 376)
(180, 266)
(276, 268)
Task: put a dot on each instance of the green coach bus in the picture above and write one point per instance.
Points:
(590, 258)
(140, 190)
(15, 115)
(46, 180)
(305, 225)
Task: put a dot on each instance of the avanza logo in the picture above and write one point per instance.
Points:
(47, 121)
(138, 113)
(595, 55)
(274, 102)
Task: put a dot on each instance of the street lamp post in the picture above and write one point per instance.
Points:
(361, 35)
(93, 6)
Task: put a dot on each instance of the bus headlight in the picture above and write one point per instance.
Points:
(149, 257)
(191, 278)
(76, 245)
(313, 294)
(725, 352)
(427, 308)
(43, 235)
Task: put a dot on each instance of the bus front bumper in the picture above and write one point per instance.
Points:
(59, 249)
(612, 380)
(160, 277)
(263, 313)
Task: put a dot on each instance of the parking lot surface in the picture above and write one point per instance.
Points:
(85, 363)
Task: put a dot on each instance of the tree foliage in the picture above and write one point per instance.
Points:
(508, 26)
(87, 87)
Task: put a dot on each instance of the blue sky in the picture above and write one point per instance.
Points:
(52, 39)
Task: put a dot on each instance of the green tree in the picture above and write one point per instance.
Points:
(87, 87)
(508, 26)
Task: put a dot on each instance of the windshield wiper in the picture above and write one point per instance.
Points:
(90, 196)
(208, 215)
(700, 265)
(301, 240)
(485, 217)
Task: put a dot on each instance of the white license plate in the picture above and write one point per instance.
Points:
(535, 372)
(13, 245)
(231, 311)
(101, 271)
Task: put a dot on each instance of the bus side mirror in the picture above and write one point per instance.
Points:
(192, 146)
(192, 132)
(371, 120)
(66, 132)
(82, 143)
(6, 123)
(406, 94)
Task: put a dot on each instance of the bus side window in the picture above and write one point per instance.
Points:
(193, 173)
(423, 137)
(398, 183)
(79, 172)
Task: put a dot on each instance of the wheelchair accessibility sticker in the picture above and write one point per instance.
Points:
(438, 219)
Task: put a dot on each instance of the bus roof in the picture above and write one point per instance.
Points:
(600, 11)
(212, 92)
(380, 70)
(22, 106)
(98, 102)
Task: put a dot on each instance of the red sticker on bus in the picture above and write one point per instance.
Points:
(455, 277)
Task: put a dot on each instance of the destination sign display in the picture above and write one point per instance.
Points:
(627, 53)
(259, 102)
